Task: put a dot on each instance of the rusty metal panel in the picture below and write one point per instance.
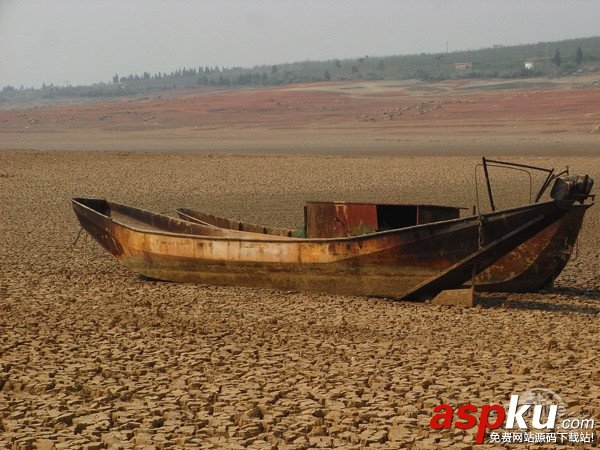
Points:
(319, 220)
(354, 219)
(338, 219)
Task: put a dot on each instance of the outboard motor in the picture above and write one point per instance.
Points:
(572, 188)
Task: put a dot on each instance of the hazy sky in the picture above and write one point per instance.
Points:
(85, 41)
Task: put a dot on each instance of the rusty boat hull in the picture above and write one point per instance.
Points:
(410, 263)
(532, 266)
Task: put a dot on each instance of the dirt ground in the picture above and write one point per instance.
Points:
(92, 356)
(466, 117)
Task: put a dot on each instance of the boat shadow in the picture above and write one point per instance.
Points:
(570, 301)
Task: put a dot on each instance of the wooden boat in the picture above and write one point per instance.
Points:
(531, 266)
(413, 262)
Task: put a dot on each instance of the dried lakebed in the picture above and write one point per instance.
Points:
(91, 356)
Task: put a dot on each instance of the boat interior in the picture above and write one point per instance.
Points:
(338, 219)
(148, 221)
(231, 224)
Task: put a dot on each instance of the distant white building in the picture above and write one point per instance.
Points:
(533, 63)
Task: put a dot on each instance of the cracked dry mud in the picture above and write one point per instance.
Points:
(92, 356)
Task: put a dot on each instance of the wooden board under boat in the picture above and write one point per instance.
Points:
(412, 262)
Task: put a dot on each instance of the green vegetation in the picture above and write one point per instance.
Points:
(498, 62)
(579, 56)
(299, 231)
(557, 58)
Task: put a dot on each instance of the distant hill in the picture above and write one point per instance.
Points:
(496, 62)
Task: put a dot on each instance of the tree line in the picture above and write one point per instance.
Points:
(503, 62)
